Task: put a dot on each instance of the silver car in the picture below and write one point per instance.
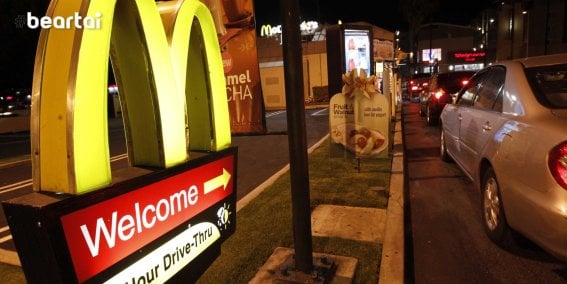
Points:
(507, 131)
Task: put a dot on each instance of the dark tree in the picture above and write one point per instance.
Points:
(417, 13)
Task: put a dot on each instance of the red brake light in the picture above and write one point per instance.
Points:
(425, 84)
(9, 97)
(464, 82)
(558, 163)
(439, 94)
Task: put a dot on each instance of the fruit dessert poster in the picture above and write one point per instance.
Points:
(359, 118)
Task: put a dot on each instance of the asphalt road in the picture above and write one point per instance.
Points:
(447, 243)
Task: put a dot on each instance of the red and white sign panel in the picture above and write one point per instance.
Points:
(100, 235)
(468, 57)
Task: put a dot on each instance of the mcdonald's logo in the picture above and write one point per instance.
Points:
(266, 30)
(167, 63)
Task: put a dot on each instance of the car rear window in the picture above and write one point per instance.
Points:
(453, 82)
(549, 84)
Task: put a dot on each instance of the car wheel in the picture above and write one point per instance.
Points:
(494, 220)
(444, 154)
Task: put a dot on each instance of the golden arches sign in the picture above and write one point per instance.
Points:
(172, 89)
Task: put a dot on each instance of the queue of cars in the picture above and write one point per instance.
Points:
(417, 84)
(507, 131)
(440, 91)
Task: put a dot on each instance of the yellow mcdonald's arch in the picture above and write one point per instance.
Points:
(172, 89)
(266, 30)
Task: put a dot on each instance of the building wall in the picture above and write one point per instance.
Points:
(447, 46)
(449, 38)
(270, 56)
(521, 28)
(314, 84)
(315, 75)
(540, 30)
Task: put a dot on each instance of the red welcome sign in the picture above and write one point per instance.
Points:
(100, 235)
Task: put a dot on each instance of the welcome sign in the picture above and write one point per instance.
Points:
(106, 232)
(168, 224)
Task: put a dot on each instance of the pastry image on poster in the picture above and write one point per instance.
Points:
(359, 118)
(359, 139)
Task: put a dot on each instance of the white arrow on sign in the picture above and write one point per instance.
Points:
(217, 182)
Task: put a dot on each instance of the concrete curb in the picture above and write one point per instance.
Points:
(392, 261)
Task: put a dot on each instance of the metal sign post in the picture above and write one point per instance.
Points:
(299, 170)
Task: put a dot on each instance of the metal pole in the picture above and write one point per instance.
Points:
(299, 170)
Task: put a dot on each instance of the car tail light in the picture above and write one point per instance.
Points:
(9, 98)
(439, 94)
(425, 84)
(414, 88)
(464, 82)
(558, 163)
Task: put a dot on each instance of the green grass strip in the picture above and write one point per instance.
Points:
(265, 223)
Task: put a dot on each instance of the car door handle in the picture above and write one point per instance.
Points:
(486, 126)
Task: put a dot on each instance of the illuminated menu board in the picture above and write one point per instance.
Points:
(357, 50)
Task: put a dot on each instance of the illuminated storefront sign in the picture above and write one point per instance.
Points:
(268, 30)
(467, 57)
(169, 224)
(101, 235)
(161, 264)
(161, 110)
(431, 55)
(167, 62)
(306, 28)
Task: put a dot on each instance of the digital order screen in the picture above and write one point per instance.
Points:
(357, 50)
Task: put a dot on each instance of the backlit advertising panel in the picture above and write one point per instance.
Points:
(430, 55)
(100, 235)
(467, 56)
(167, 214)
(236, 28)
(165, 225)
(357, 50)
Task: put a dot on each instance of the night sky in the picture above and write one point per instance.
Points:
(17, 48)
(384, 14)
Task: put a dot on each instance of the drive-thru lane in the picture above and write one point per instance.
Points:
(447, 242)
